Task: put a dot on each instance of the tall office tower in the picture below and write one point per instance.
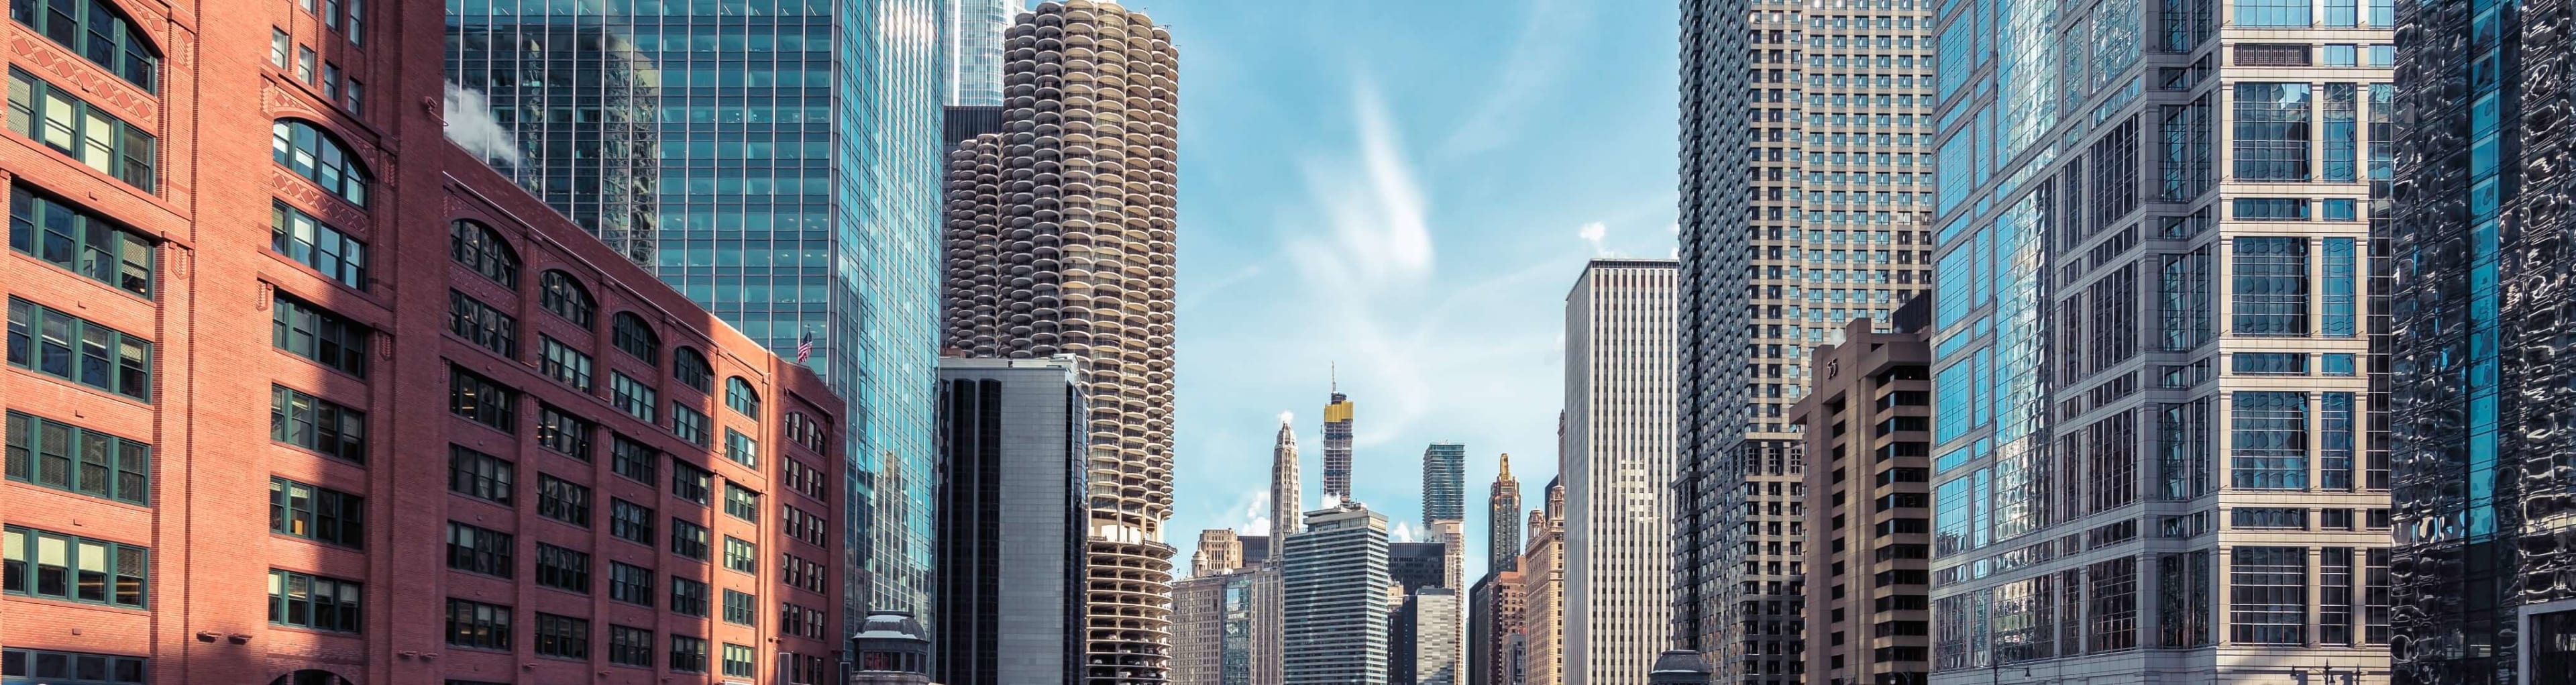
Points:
(1805, 182)
(2149, 341)
(1337, 447)
(433, 447)
(1011, 516)
(1433, 615)
(1269, 626)
(970, 38)
(1334, 578)
(1494, 615)
(1060, 240)
(1444, 483)
(578, 103)
(1543, 593)
(2481, 520)
(1285, 502)
(1216, 619)
(1502, 521)
(1220, 549)
(1866, 417)
(1414, 565)
(1617, 462)
(763, 214)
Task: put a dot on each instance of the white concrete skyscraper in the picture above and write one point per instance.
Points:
(1285, 502)
(1618, 452)
(1335, 578)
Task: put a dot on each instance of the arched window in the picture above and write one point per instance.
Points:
(559, 293)
(740, 396)
(629, 333)
(692, 368)
(477, 247)
(316, 154)
(96, 30)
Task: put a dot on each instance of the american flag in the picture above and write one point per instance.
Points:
(804, 347)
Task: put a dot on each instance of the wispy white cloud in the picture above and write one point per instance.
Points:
(1405, 532)
(1363, 234)
(1593, 233)
(1553, 31)
(1255, 512)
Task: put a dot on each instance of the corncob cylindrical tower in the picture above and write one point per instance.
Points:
(1060, 241)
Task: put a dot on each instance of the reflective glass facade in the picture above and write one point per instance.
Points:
(2121, 358)
(758, 210)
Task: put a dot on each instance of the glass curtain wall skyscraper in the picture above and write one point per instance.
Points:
(971, 42)
(1807, 185)
(1444, 482)
(2151, 444)
(797, 147)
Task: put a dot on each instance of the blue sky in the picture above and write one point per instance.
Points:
(1406, 189)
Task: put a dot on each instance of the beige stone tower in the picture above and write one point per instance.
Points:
(1060, 241)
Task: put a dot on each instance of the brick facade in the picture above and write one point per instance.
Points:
(215, 369)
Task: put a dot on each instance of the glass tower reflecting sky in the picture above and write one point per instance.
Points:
(763, 214)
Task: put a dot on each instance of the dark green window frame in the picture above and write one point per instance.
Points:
(73, 668)
(61, 120)
(315, 154)
(315, 333)
(92, 571)
(316, 513)
(313, 423)
(304, 600)
(65, 457)
(100, 33)
(308, 241)
(64, 234)
(71, 348)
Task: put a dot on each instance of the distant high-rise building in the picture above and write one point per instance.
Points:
(1432, 616)
(1033, 214)
(1444, 483)
(601, 167)
(1286, 505)
(1220, 550)
(1502, 523)
(1867, 426)
(1334, 579)
(1543, 592)
(1011, 514)
(1216, 619)
(1494, 614)
(1617, 463)
(1806, 193)
(971, 43)
(1337, 447)
(1416, 565)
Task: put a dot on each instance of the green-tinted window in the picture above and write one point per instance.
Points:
(70, 458)
(69, 125)
(69, 237)
(74, 349)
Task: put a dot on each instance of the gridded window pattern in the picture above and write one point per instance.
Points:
(2270, 363)
(562, 637)
(2271, 208)
(2341, 126)
(52, 565)
(2339, 299)
(742, 503)
(474, 474)
(806, 669)
(689, 424)
(688, 654)
(737, 661)
(70, 458)
(479, 550)
(2375, 596)
(630, 583)
(803, 429)
(2268, 595)
(804, 525)
(688, 597)
(315, 154)
(2334, 595)
(318, 246)
(630, 521)
(2269, 437)
(65, 235)
(559, 293)
(563, 568)
(801, 573)
(477, 625)
(692, 369)
(805, 479)
(313, 333)
(2275, 13)
(800, 621)
(2271, 286)
(689, 482)
(482, 400)
(316, 513)
(629, 646)
(563, 500)
(480, 324)
(2271, 54)
(740, 397)
(2335, 438)
(564, 363)
(741, 555)
(71, 668)
(688, 539)
(741, 608)
(636, 338)
(481, 251)
(2277, 518)
(742, 449)
(316, 602)
(316, 424)
(61, 120)
(68, 347)
(99, 33)
(2272, 134)
(2115, 604)
(563, 432)
(2182, 300)
(634, 460)
(632, 397)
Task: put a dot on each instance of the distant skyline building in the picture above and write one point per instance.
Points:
(1334, 578)
(1337, 446)
(1286, 505)
(1011, 513)
(971, 40)
(1220, 550)
(1433, 615)
(1867, 424)
(1502, 524)
(1617, 463)
(1060, 239)
(1494, 614)
(1444, 483)
(1215, 623)
(1543, 592)
(1416, 565)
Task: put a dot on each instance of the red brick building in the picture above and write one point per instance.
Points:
(258, 434)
